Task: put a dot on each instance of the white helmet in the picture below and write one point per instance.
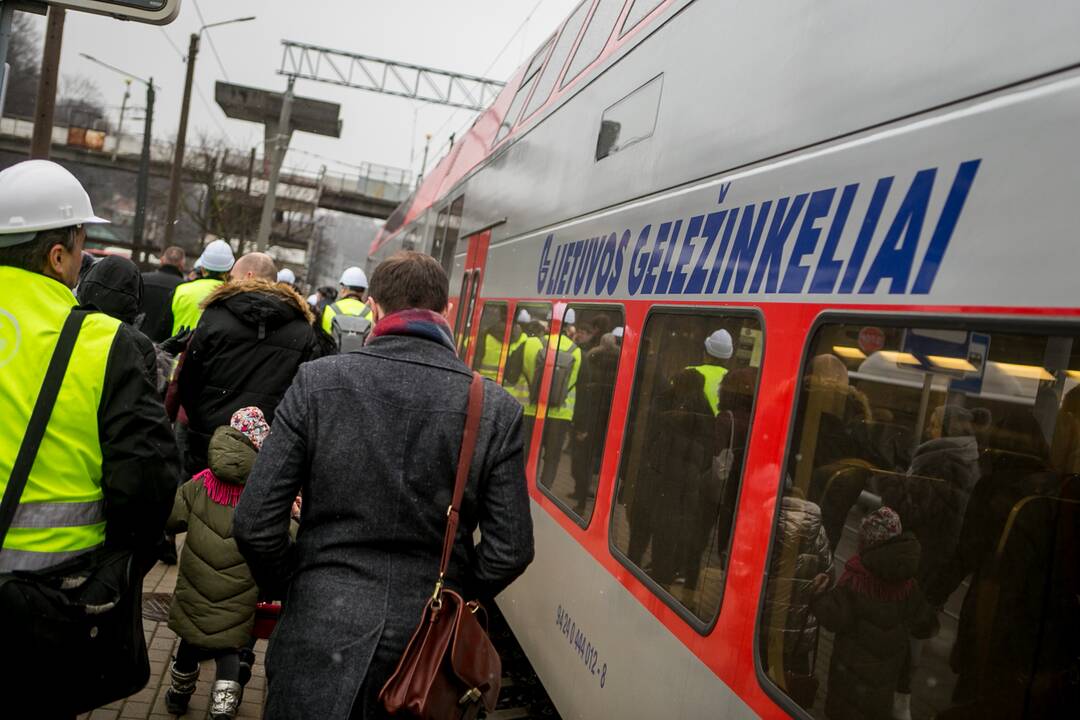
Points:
(198, 262)
(618, 332)
(285, 275)
(38, 195)
(523, 316)
(719, 345)
(218, 257)
(570, 317)
(354, 277)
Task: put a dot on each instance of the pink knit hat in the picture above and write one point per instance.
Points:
(252, 423)
(879, 527)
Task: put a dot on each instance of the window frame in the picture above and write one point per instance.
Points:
(1026, 325)
(528, 110)
(510, 123)
(505, 336)
(581, 522)
(699, 626)
(567, 78)
(624, 30)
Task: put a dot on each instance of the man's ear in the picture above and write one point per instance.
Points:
(446, 312)
(376, 310)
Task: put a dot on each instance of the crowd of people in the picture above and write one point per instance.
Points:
(307, 458)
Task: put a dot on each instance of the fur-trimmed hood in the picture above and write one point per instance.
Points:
(257, 301)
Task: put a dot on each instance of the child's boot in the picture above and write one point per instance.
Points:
(179, 693)
(225, 699)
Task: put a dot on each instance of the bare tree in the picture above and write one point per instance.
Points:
(24, 55)
(79, 103)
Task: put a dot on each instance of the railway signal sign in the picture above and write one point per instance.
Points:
(155, 12)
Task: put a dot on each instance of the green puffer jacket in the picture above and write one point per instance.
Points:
(214, 604)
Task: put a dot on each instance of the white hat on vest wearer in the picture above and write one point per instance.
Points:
(618, 332)
(285, 275)
(218, 257)
(570, 317)
(354, 277)
(523, 316)
(719, 345)
(37, 195)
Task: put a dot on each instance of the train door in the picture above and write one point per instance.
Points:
(464, 314)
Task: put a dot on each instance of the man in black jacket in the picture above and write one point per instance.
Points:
(253, 335)
(158, 288)
(372, 438)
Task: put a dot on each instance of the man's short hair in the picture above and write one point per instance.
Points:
(34, 255)
(409, 280)
(173, 255)
(258, 264)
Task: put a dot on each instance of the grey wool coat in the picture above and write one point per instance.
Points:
(372, 439)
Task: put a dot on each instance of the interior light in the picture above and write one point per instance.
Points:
(900, 358)
(1074, 374)
(851, 353)
(951, 363)
(1028, 372)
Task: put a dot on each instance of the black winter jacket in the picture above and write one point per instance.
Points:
(156, 304)
(250, 340)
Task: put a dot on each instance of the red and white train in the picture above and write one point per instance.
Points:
(820, 258)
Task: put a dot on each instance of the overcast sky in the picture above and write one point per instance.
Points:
(460, 35)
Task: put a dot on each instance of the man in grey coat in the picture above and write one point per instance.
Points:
(371, 438)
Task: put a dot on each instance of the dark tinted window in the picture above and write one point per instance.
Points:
(926, 546)
(491, 335)
(528, 82)
(521, 374)
(578, 405)
(684, 450)
(558, 59)
(595, 38)
(637, 13)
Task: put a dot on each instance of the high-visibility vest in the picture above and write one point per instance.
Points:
(187, 301)
(489, 358)
(529, 370)
(713, 375)
(62, 509)
(566, 410)
(345, 306)
(520, 389)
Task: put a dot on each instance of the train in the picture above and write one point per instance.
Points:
(757, 271)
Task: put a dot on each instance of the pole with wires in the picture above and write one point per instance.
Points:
(282, 135)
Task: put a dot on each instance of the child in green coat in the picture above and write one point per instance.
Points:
(213, 610)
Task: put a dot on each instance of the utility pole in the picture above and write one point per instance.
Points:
(177, 174)
(280, 145)
(142, 187)
(41, 143)
(120, 123)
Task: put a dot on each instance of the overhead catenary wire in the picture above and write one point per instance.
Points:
(210, 41)
(198, 90)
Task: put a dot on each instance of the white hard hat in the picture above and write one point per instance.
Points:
(570, 317)
(38, 195)
(524, 316)
(285, 275)
(719, 345)
(618, 332)
(198, 262)
(218, 257)
(312, 299)
(354, 277)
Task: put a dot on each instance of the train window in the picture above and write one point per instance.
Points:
(438, 243)
(595, 38)
(490, 339)
(578, 405)
(683, 455)
(453, 229)
(463, 347)
(528, 82)
(558, 58)
(637, 13)
(527, 334)
(459, 316)
(630, 120)
(924, 561)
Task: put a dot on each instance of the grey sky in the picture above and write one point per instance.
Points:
(459, 35)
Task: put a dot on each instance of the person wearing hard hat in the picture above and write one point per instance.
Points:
(350, 301)
(287, 276)
(562, 395)
(106, 467)
(719, 348)
(525, 339)
(186, 307)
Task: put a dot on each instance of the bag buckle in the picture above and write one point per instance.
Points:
(472, 696)
(436, 597)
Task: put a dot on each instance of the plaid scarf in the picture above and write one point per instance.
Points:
(416, 323)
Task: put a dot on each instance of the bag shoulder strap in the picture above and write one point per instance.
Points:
(39, 419)
(468, 446)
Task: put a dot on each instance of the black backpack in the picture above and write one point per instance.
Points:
(560, 381)
(350, 332)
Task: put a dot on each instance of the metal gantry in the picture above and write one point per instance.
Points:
(338, 67)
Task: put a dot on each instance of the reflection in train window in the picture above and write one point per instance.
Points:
(637, 13)
(528, 333)
(925, 554)
(683, 455)
(630, 120)
(558, 59)
(489, 340)
(578, 405)
(595, 38)
(528, 82)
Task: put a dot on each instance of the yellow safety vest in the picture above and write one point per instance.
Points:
(489, 359)
(566, 410)
(62, 510)
(713, 375)
(533, 345)
(187, 302)
(346, 306)
(520, 389)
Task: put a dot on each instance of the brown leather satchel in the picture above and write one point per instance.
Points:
(450, 668)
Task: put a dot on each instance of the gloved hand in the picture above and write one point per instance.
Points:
(178, 342)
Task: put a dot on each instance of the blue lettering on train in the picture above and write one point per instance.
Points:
(786, 246)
